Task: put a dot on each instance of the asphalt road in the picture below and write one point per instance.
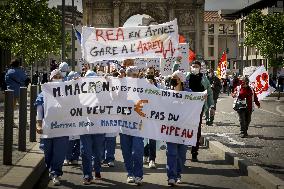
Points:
(210, 172)
(265, 144)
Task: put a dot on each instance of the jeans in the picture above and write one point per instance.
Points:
(73, 151)
(244, 118)
(91, 148)
(132, 151)
(150, 150)
(109, 149)
(54, 154)
(176, 157)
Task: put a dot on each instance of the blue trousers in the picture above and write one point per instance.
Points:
(54, 154)
(73, 151)
(109, 149)
(132, 151)
(91, 148)
(176, 157)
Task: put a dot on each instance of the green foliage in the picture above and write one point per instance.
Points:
(30, 29)
(266, 33)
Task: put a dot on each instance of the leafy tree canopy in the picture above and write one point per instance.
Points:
(266, 33)
(30, 29)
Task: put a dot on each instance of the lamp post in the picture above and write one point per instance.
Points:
(63, 31)
(73, 37)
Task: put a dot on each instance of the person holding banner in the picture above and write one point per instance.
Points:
(245, 98)
(91, 149)
(176, 153)
(64, 68)
(150, 147)
(197, 82)
(54, 148)
(133, 147)
(73, 152)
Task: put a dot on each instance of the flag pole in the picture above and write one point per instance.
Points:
(73, 37)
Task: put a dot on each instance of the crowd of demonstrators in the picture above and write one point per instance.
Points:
(98, 149)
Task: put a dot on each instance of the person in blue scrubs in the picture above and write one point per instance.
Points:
(133, 147)
(54, 148)
(91, 150)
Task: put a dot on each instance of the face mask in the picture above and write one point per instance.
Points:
(194, 71)
(150, 77)
(57, 80)
(210, 74)
(174, 82)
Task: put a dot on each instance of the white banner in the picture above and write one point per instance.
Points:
(155, 41)
(167, 64)
(260, 82)
(131, 106)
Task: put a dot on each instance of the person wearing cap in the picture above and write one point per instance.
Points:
(91, 150)
(132, 147)
(54, 148)
(73, 152)
(176, 153)
(198, 82)
(64, 68)
(246, 94)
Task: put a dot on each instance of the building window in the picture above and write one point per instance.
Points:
(210, 40)
(210, 51)
(210, 28)
(222, 29)
(231, 29)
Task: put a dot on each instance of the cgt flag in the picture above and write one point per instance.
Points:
(260, 82)
(222, 66)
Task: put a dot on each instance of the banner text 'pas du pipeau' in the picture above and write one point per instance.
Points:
(154, 41)
(130, 106)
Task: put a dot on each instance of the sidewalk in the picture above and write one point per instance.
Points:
(17, 155)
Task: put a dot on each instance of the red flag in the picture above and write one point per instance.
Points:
(191, 56)
(181, 39)
(222, 66)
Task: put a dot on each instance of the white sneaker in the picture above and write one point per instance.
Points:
(74, 162)
(145, 160)
(55, 181)
(130, 180)
(111, 164)
(66, 162)
(138, 181)
(179, 181)
(152, 165)
(171, 182)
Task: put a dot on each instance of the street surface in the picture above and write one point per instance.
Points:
(265, 143)
(210, 172)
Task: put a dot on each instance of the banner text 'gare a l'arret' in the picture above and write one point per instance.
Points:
(154, 41)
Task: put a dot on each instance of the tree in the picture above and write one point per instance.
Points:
(30, 29)
(266, 33)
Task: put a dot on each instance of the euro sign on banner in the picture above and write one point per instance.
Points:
(154, 41)
(129, 106)
(222, 66)
(260, 82)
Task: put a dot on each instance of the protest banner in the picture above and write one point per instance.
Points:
(155, 41)
(144, 63)
(260, 82)
(130, 106)
(222, 66)
(167, 64)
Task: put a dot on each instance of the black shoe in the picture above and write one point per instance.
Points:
(194, 158)
(244, 135)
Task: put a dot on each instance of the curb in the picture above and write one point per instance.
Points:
(26, 172)
(256, 173)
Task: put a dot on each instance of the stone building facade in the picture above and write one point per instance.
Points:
(114, 13)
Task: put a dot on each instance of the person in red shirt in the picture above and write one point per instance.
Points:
(245, 93)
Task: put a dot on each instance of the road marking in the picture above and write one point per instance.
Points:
(270, 112)
(280, 111)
